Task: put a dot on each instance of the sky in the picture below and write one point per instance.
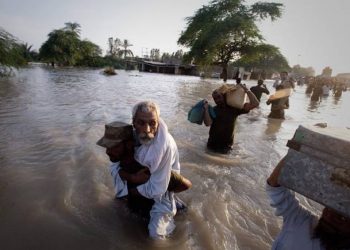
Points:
(310, 32)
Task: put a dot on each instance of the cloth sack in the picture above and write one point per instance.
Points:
(196, 113)
(234, 94)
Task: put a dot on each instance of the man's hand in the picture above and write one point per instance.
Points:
(273, 179)
(134, 192)
(141, 176)
(244, 87)
(206, 104)
(206, 117)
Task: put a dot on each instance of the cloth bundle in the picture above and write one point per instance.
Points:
(196, 113)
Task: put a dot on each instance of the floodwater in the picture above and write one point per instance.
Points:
(55, 188)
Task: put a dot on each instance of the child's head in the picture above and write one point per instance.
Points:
(118, 140)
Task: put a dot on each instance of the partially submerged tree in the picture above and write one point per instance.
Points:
(89, 54)
(61, 47)
(10, 53)
(225, 30)
(65, 48)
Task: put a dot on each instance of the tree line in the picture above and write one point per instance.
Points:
(222, 33)
(64, 47)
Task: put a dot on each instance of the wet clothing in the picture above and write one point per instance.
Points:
(309, 88)
(316, 93)
(139, 204)
(161, 157)
(325, 90)
(338, 92)
(259, 90)
(287, 83)
(298, 223)
(277, 107)
(221, 131)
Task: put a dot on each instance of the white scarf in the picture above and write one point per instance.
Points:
(151, 155)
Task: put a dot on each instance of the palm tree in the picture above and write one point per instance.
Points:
(125, 51)
(113, 47)
(73, 27)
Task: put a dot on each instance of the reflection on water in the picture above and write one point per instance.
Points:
(273, 126)
(313, 106)
(56, 192)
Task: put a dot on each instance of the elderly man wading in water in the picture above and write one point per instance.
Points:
(157, 151)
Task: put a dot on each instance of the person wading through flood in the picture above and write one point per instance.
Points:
(259, 89)
(278, 105)
(222, 127)
(127, 173)
(158, 152)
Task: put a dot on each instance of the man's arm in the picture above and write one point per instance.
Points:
(283, 199)
(266, 91)
(273, 179)
(253, 101)
(287, 103)
(207, 119)
(140, 177)
(120, 185)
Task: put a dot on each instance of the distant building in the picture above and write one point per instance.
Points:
(167, 68)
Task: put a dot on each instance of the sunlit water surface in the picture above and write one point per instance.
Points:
(55, 188)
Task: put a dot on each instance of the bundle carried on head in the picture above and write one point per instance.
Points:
(234, 94)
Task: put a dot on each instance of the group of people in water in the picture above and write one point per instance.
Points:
(320, 87)
(146, 170)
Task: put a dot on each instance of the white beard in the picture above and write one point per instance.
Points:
(145, 139)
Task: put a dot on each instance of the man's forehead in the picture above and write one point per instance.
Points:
(148, 115)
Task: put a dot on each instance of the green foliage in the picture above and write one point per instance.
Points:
(265, 57)
(65, 48)
(225, 30)
(62, 47)
(10, 53)
(89, 54)
(73, 27)
(114, 62)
